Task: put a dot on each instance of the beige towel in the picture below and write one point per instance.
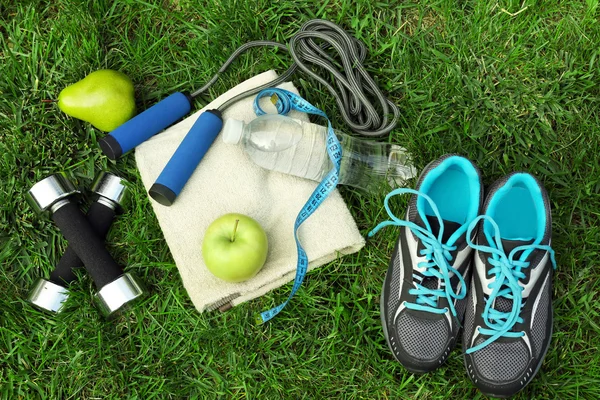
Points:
(228, 181)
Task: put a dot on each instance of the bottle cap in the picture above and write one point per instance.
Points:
(232, 131)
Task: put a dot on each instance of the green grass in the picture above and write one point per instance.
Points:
(513, 85)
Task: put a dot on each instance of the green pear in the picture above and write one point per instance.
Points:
(104, 98)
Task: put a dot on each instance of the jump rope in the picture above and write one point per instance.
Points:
(314, 48)
(321, 49)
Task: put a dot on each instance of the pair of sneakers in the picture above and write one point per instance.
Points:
(484, 265)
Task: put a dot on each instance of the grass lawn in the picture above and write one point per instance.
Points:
(513, 85)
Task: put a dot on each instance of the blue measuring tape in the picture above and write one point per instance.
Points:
(287, 101)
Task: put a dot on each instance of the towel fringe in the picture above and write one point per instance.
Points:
(223, 304)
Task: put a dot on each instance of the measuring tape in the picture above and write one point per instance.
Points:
(285, 102)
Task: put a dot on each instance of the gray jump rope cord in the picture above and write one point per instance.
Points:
(353, 84)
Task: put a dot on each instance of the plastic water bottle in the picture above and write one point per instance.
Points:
(280, 143)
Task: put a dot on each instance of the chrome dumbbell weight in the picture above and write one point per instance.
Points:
(115, 289)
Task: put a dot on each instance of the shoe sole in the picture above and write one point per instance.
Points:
(537, 368)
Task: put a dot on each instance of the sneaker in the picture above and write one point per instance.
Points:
(508, 324)
(424, 293)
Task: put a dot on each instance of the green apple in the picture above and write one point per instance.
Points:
(234, 247)
(104, 98)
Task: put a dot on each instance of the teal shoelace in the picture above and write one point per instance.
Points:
(507, 272)
(435, 252)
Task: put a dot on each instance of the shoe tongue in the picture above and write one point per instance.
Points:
(449, 227)
(509, 245)
(504, 304)
(430, 282)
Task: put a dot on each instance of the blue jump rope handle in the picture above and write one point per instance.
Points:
(145, 125)
(187, 157)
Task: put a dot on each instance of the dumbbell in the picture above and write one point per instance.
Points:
(110, 194)
(115, 289)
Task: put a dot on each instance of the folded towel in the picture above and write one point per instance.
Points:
(228, 181)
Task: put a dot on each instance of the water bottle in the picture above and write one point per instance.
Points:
(280, 143)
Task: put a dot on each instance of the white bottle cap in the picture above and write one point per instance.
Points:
(232, 131)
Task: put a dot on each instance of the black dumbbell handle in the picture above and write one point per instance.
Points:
(100, 218)
(86, 243)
